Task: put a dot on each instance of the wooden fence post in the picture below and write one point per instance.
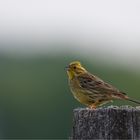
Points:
(107, 123)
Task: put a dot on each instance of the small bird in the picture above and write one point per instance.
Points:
(89, 89)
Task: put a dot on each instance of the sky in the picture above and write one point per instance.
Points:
(104, 27)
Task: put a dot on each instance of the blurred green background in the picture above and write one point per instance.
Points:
(35, 100)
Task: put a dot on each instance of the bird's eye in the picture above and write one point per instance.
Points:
(74, 67)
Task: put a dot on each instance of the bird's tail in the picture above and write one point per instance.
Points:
(133, 100)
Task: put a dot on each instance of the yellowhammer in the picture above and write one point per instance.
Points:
(90, 90)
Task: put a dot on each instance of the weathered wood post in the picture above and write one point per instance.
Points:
(107, 123)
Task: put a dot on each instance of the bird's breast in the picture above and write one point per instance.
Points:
(79, 93)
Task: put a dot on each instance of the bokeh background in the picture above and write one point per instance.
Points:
(38, 38)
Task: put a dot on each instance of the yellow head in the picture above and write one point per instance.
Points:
(74, 69)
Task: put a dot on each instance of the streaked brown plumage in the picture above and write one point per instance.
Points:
(91, 90)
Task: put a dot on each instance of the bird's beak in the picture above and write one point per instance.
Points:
(67, 68)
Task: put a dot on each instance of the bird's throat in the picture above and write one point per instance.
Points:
(70, 74)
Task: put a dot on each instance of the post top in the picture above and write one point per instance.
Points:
(125, 107)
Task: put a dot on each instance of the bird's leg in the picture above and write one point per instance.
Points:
(93, 106)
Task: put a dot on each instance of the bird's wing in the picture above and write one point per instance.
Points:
(93, 83)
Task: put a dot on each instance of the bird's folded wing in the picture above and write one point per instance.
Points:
(93, 83)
